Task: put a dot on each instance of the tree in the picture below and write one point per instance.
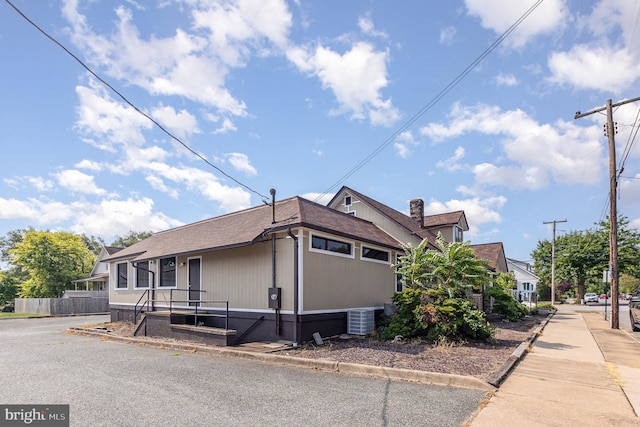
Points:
(434, 303)
(581, 257)
(8, 288)
(94, 244)
(455, 265)
(505, 303)
(130, 238)
(52, 260)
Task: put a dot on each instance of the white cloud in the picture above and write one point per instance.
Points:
(367, 27)
(356, 78)
(241, 162)
(181, 124)
(78, 182)
(227, 126)
(506, 80)
(403, 144)
(534, 152)
(321, 198)
(587, 67)
(89, 165)
(478, 211)
(447, 35)
(498, 15)
(451, 164)
(36, 211)
(116, 217)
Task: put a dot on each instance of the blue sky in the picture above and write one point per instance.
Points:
(294, 95)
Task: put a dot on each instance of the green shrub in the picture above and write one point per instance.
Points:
(437, 313)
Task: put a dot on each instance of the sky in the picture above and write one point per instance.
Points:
(208, 104)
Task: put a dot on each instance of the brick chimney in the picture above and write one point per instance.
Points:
(416, 210)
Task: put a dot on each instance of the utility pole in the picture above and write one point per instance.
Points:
(553, 259)
(613, 214)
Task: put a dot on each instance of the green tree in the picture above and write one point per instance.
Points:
(52, 260)
(94, 244)
(8, 288)
(455, 266)
(505, 303)
(581, 257)
(434, 303)
(130, 238)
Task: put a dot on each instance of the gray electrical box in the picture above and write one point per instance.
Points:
(274, 297)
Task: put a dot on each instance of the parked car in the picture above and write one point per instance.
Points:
(634, 310)
(590, 297)
(603, 296)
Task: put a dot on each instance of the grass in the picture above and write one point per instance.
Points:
(7, 315)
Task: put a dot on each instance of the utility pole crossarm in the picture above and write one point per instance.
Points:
(580, 114)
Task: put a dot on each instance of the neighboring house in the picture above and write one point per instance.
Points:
(411, 228)
(98, 280)
(527, 281)
(494, 254)
(285, 274)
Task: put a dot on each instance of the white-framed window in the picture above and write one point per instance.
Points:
(347, 200)
(143, 276)
(122, 275)
(368, 253)
(399, 280)
(168, 270)
(331, 246)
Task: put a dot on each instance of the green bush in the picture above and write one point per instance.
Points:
(505, 303)
(435, 314)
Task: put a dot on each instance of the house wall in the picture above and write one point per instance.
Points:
(367, 213)
(332, 282)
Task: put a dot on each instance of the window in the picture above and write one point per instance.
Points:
(167, 272)
(459, 237)
(142, 274)
(399, 279)
(347, 200)
(121, 280)
(372, 254)
(330, 245)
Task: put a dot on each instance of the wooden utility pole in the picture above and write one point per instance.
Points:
(553, 260)
(613, 214)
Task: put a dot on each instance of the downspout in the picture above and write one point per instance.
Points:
(273, 254)
(295, 287)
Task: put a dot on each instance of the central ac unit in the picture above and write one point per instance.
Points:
(360, 321)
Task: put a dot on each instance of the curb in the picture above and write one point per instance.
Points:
(498, 377)
(397, 374)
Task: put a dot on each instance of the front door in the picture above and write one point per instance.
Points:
(194, 281)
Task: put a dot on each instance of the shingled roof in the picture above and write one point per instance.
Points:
(248, 226)
(491, 252)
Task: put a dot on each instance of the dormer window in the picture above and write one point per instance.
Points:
(459, 237)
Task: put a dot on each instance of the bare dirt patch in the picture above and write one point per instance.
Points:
(473, 358)
(478, 359)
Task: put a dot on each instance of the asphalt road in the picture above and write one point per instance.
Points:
(108, 383)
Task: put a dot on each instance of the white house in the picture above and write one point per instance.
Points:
(527, 281)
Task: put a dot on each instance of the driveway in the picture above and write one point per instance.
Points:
(108, 383)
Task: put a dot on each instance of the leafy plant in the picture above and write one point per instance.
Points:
(505, 303)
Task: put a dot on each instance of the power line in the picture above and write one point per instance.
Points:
(148, 117)
(434, 100)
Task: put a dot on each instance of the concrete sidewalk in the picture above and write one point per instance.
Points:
(578, 372)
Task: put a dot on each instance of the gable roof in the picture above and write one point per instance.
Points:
(248, 226)
(492, 252)
(446, 219)
(398, 217)
(520, 267)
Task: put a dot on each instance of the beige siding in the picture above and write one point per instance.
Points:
(334, 282)
(365, 212)
(242, 276)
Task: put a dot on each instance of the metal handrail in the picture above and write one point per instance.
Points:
(198, 304)
(136, 311)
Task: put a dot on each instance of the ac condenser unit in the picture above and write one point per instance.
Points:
(360, 321)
